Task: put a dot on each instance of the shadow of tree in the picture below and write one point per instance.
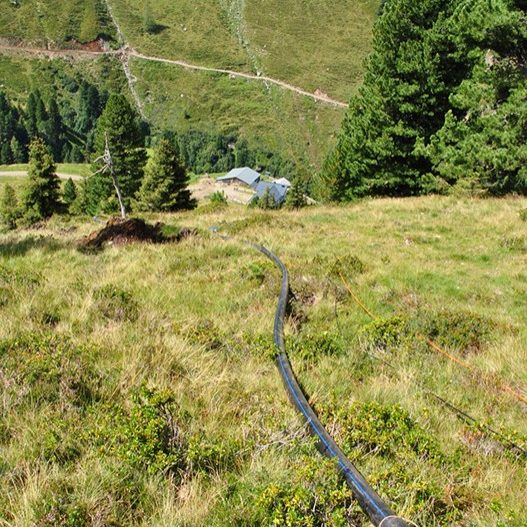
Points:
(19, 247)
(155, 29)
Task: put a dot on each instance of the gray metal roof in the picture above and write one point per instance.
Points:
(245, 175)
(283, 181)
(278, 192)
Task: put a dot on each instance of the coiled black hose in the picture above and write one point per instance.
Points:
(371, 503)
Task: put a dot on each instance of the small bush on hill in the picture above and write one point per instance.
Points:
(9, 208)
(116, 304)
(463, 331)
(385, 334)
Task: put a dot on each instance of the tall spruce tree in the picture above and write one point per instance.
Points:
(54, 130)
(401, 103)
(42, 195)
(165, 183)
(483, 138)
(9, 209)
(443, 99)
(119, 124)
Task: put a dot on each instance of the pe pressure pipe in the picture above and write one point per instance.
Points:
(371, 503)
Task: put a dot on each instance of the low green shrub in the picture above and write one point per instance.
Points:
(316, 497)
(255, 272)
(209, 456)
(386, 430)
(463, 331)
(218, 197)
(47, 368)
(347, 265)
(146, 436)
(523, 215)
(404, 459)
(115, 303)
(311, 346)
(385, 334)
(206, 333)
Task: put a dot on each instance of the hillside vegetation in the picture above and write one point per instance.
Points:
(55, 22)
(138, 386)
(318, 46)
(313, 44)
(443, 104)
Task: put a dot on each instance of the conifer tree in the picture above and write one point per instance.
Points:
(483, 136)
(17, 151)
(267, 201)
(6, 155)
(165, 183)
(296, 196)
(42, 194)
(9, 209)
(119, 127)
(401, 103)
(54, 130)
(81, 203)
(70, 193)
(444, 99)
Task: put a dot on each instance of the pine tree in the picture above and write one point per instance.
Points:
(165, 183)
(81, 203)
(119, 125)
(267, 201)
(70, 193)
(401, 104)
(89, 108)
(296, 195)
(42, 194)
(31, 114)
(6, 155)
(17, 150)
(242, 154)
(483, 136)
(54, 130)
(9, 209)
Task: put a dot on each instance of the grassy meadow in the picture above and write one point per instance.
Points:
(306, 43)
(138, 386)
(55, 21)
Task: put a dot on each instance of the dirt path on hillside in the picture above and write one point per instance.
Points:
(237, 74)
(126, 52)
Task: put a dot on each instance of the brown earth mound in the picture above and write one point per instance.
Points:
(118, 231)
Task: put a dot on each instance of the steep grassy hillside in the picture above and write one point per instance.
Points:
(294, 126)
(54, 21)
(315, 45)
(20, 74)
(138, 386)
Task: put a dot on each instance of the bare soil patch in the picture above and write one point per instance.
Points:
(118, 231)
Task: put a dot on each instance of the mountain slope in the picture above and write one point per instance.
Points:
(318, 46)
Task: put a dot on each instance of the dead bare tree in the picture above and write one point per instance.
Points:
(109, 167)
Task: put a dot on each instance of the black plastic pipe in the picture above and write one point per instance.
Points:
(371, 503)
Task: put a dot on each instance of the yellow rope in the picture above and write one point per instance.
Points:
(433, 345)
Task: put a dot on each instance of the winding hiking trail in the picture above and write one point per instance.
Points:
(126, 52)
